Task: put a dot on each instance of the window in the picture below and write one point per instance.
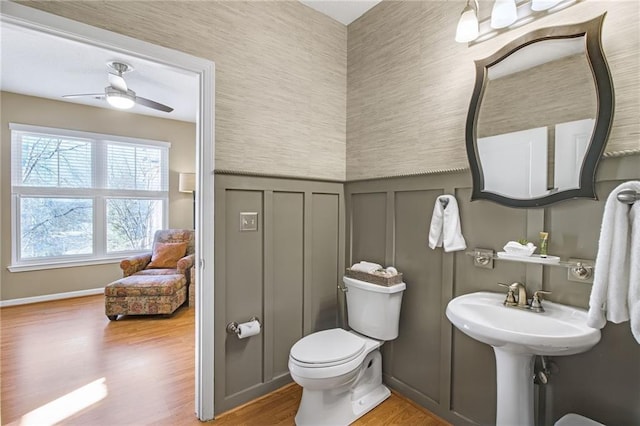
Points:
(80, 198)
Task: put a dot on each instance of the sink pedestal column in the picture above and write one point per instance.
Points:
(514, 380)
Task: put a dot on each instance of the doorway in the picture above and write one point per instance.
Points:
(53, 25)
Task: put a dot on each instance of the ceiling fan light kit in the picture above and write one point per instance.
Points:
(119, 99)
(118, 94)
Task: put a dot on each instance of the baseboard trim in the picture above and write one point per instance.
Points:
(50, 297)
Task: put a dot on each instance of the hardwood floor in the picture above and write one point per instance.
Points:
(64, 362)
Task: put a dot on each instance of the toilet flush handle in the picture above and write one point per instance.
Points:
(343, 287)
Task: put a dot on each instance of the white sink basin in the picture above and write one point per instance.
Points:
(559, 330)
(517, 336)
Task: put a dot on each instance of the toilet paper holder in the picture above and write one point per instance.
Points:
(234, 328)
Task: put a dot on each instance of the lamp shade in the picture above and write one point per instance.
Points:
(467, 25)
(120, 100)
(539, 5)
(504, 13)
(187, 182)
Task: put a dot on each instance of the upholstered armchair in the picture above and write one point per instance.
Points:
(154, 283)
(173, 253)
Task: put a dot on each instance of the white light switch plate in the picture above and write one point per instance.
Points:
(248, 221)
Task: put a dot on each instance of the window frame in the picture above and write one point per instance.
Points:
(98, 193)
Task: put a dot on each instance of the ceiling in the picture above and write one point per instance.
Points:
(43, 65)
(38, 64)
(344, 11)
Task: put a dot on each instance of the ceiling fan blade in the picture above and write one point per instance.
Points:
(85, 95)
(117, 82)
(152, 104)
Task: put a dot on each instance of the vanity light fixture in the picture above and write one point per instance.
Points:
(505, 15)
(468, 24)
(539, 5)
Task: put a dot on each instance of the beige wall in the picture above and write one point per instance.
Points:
(280, 75)
(42, 112)
(409, 83)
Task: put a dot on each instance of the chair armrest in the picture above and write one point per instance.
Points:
(133, 264)
(185, 264)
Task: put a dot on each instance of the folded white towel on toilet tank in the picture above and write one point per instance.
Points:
(445, 230)
(367, 267)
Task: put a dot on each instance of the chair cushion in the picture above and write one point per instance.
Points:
(145, 285)
(158, 271)
(166, 255)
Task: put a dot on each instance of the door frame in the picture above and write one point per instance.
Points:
(58, 26)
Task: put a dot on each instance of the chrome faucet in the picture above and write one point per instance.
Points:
(517, 297)
(522, 293)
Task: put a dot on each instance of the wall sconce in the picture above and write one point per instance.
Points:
(505, 15)
(468, 24)
(187, 183)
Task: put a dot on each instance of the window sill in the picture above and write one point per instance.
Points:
(58, 265)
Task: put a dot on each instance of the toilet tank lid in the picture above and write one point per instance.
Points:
(327, 346)
(377, 288)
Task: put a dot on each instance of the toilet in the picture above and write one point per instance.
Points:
(341, 371)
(572, 419)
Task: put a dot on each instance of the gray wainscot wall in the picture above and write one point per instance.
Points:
(448, 372)
(286, 273)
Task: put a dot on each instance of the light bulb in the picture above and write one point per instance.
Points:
(120, 100)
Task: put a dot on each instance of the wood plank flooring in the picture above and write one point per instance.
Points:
(64, 362)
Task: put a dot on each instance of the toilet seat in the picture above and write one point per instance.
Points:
(327, 348)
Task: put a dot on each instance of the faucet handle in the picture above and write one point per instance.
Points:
(536, 301)
(510, 300)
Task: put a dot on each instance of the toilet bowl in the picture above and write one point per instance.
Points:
(341, 371)
(329, 358)
(576, 420)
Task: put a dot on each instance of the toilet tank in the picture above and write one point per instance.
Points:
(374, 310)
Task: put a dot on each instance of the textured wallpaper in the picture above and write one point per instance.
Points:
(280, 75)
(300, 95)
(409, 83)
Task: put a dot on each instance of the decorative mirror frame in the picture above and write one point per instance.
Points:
(591, 30)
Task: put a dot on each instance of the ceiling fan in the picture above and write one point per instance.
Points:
(118, 94)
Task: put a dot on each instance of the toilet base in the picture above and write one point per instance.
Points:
(340, 407)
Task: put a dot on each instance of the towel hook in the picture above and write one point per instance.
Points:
(628, 196)
(444, 202)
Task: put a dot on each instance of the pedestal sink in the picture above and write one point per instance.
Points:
(517, 336)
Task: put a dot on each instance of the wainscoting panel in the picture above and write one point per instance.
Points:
(416, 360)
(368, 227)
(286, 273)
(243, 278)
(446, 371)
(326, 247)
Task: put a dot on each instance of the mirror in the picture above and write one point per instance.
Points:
(540, 116)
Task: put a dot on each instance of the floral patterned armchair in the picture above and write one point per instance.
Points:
(173, 253)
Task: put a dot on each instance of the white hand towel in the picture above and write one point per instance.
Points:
(445, 227)
(610, 296)
(634, 273)
(367, 267)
